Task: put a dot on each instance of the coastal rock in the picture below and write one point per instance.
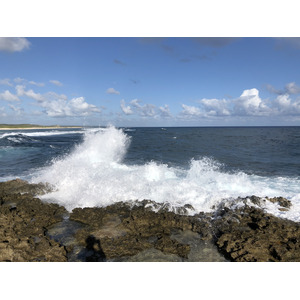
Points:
(23, 224)
(18, 186)
(125, 230)
(32, 230)
(250, 234)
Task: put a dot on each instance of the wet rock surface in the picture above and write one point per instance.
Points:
(32, 230)
(23, 224)
(250, 234)
(123, 230)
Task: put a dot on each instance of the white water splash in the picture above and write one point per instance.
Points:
(94, 175)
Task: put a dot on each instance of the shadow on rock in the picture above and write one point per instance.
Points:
(93, 251)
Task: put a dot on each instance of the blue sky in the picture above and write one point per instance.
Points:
(150, 81)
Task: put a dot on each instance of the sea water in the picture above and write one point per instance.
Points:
(199, 166)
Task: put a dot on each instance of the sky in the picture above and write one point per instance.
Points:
(164, 81)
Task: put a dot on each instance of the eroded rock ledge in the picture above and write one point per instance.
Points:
(23, 224)
(31, 230)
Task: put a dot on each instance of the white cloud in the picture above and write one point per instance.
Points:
(8, 96)
(126, 109)
(36, 83)
(146, 110)
(249, 103)
(112, 91)
(13, 44)
(292, 88)
(283, 101)
(190, 110)
(75, 107)
(215, 107)
(19, 80)
(53, 95)
(283, 105)
(5, 81)
(29, 93)
(165, 111)
(56, 82)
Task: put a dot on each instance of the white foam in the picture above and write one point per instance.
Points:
(94, 175)
(38, 133)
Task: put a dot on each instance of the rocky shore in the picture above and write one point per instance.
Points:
(33, 230)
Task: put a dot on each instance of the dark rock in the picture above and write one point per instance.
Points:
(127, 229)
(23, 224)
(281, 201)
(140, 229)
(257, 236)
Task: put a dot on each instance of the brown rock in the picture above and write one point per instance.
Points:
(23, 224)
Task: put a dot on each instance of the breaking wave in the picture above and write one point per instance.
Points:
(94, 174)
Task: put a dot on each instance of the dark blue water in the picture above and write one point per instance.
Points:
(197, 166)
(261, 150)
(266, 151)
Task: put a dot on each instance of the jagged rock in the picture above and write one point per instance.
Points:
(257, 236)
(281, 201)
(23, 224)
(126, 229)
(141, 229)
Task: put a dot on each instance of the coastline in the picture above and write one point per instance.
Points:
(45, 231)
(42, 127)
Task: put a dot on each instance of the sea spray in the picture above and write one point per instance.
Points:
(94, 174)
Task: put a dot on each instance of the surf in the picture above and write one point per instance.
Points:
(94, 174)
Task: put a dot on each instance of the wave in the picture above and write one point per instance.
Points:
(38, 133)
(95, 174)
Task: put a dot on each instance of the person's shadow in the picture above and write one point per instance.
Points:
(93, 251)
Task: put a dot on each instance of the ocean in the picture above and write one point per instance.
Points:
(199, 166)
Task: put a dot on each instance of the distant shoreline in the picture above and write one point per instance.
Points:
(37, 127)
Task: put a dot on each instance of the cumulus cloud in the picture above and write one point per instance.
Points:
(146, 110)
(126, 109)
(249, 103)
(28, 93)
(53, 95)
(165, 111)
(273, 90)
(8, 96)
(215, 107)
(284, 105)
(56, 82)
(19, 80)
(13, 44)
(76, 107)
(112, 91)
(5, 81)
(190, 110)
(290, 88)
(36, 83)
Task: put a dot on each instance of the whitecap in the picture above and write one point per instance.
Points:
(95, 174)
